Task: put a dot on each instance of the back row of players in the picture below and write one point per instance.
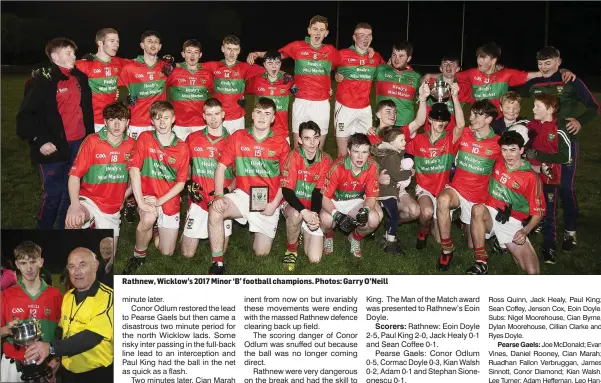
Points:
(189, 83)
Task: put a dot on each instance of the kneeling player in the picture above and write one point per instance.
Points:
(98, 178)
(257, 153)
(477, 153)
(515, 193)
(303, 176)
(349, 196)
(205, 146)
(158, 171)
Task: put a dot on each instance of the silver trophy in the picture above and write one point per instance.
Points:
(441, 90)
(25, 334)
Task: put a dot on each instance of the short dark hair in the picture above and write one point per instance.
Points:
(272, 55)
(549, 101)
(485, 107)
(58, 43)
(403, 46)
(318, 19)
(451, 57)
(363, 26)
(116, 110)
(490, 49)
(547, 52)
(385, 103)
(511, 137)
(149, 33)
(191, 43)
(309, 125)
(357, 139)
(265, 103)
(212, 102)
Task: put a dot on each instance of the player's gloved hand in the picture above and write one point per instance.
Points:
(241, 102)
(546, 170)
(131, 100)
(194, 191)
(503, 215)
(345, 222)
(362, 216)
(294, 90)
(288, 78)
(531, 153)
(88, 57)
(169, 65)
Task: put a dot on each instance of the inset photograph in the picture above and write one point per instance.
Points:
(57, 305)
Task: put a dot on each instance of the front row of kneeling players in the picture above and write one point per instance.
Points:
(251, 175)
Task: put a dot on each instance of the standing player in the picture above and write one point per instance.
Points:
(98, 179)
(188, 87)
(273, 85)
(352, 112)
(103, 70)
(514, 194)
(313, 63)
(449, 67)
(205, 147)
(570, 95)
(399, 82)
(229, 78)
(303, 176)
(158, 171)
(257, 154)
(350, 191)
(434, 152)
(30, 297)
(490, 83)
(145, 79)
(478, 151)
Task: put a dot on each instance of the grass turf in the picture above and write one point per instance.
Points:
(21, 195)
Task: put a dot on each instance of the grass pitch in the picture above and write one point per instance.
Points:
(21, 195)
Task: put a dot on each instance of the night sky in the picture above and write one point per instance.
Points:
(435, 27)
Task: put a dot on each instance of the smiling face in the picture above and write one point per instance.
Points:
(387, 116)
(317, 32)
(64, 57)
(449, 68)
(399, 59)
(549, 66)
(479, 120)
(163, 122)
(82, 268)
(263, 118)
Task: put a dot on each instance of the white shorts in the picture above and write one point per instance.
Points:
(257, 223)
(465, 206)
(168, 221)
(421, 192)
(346, 207)
(184, 131)
(135, 131)
(197, 223)
(98, 127)
(304, 226)
(232, 125)
(98, 219)
(349, 121)
(8, 371)
(316, 111)
(503, 232)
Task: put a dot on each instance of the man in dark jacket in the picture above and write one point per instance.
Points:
(54, 117)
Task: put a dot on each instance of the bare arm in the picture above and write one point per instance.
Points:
(420, 118)
(327, 205)
(459, 117)
(219, 179)
(173, 192)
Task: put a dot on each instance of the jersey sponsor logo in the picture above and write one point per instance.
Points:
(97, 70)
(261, 89)
(488, 152)
(172, 160)
(100, 155)
(47, 312)
(181, 80)
(17, 310)
(341, 126)
(559, 90)
(551, 136)
(515, 185)
(190, 223)
(245, 148)
(282, 91)
(271, 153)
(61, 90)
(197, 149)
(139, 75)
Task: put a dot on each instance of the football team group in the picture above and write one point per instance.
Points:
(183, 132)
